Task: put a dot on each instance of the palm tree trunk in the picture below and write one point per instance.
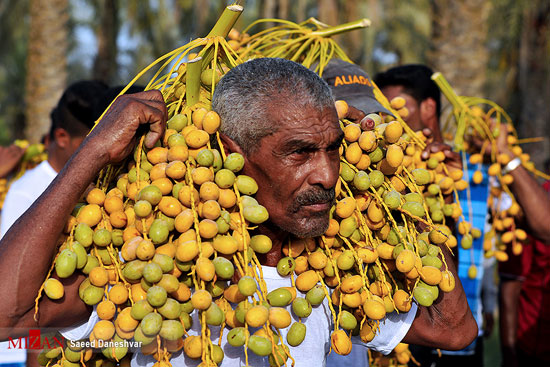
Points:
(46, 64)
(301, 10)
(353, 41)
(459, 32)
(328, 11)
(534, 79)
(283, 9)
(105, 64)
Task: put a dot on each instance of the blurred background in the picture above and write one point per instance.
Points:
(498, 49)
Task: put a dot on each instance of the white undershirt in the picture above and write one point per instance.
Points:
(24, 192)
(313, 350)
(21, 195)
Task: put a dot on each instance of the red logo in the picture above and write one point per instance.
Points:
(35, 341)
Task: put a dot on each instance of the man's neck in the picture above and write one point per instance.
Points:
(54, 157)
(278, 237)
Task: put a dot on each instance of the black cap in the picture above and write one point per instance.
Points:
(352, 84)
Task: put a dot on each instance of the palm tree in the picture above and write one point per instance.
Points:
(46, 63)
(534, 78)
(459, 51)
(105, 64)
(13, 52)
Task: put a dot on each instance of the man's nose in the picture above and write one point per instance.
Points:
(326, 170)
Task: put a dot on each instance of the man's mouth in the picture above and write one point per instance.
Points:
(316, 200)
(319, 207)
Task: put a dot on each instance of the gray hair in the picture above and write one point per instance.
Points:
(243, 96)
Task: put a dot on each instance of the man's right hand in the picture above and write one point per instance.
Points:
(27, 249)
(114, 137)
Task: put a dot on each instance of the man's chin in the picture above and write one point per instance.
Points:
(311, 228)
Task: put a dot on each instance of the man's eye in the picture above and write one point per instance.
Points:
(301, 151)
(333, 147)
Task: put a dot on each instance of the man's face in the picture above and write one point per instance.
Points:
(297, 168)
(414, 119)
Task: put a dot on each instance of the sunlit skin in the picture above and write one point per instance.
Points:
(296, 169)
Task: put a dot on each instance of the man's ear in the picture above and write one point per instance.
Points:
(61, 137)
(230, 146)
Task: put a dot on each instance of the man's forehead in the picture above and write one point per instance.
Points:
(296, 115)
(392, 91)
(309, 135)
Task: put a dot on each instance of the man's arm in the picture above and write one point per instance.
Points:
(27, 249)
(533, 199)
(534, 202)
(448, 323)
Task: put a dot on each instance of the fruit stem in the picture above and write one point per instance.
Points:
(193, 81)
(226, 21)
(342, 28)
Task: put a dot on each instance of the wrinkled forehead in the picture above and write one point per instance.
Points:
(304, 122)
(298, 112)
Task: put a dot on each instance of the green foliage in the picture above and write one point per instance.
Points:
(13, 52)
(400, 33)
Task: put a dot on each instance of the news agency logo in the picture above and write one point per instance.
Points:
(35, 340)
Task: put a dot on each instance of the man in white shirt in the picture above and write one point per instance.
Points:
(281, 117)
(72, 119)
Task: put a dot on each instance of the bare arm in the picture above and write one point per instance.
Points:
(534, 201)
(27, 249)
(448, 323)
(509, 298)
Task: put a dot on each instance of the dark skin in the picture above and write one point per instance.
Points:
(432, 325)
(530, 195)
(26, 250)
(447, 324)
(62, 147)
(9, 157)
(300, 157)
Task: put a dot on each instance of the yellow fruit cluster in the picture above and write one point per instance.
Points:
(399, 357)
(169, 236)
(479, 123)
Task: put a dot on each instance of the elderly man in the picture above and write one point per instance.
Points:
(281, 117)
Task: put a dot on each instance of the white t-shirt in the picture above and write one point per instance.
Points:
(392, 330)
(24, 192)
(21, 195)
(313, 350)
